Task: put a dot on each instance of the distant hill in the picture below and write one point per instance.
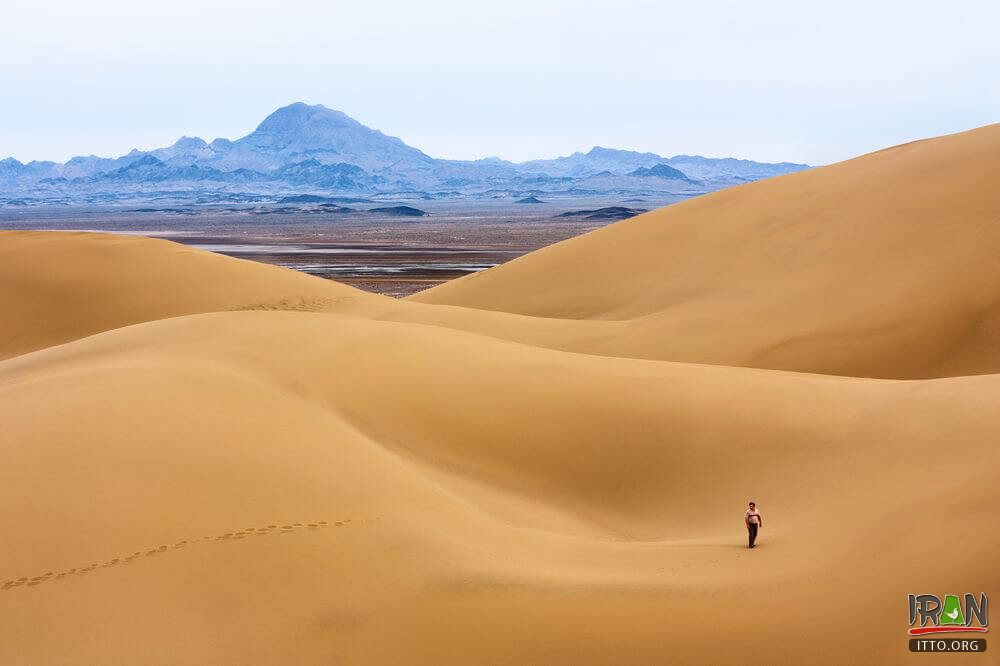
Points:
(592, 163)
(729, 169)
(315, 133)
(399, 211)
(529, 200)
(600, 160)
(302, 147)
(659, 171)
(317, 199)
(608, 213)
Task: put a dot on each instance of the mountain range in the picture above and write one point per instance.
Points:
(304, 148)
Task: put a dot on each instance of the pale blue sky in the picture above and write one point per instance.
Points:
(802, 81)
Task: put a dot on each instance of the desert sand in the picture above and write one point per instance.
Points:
(883, 266)
(212, 461)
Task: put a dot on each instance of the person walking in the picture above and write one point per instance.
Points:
(754, 522)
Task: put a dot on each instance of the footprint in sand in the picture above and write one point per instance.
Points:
(259, 531)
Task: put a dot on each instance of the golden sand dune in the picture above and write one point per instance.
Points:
(883, 266)
(356, 480)
(57, 287)
(591, 514)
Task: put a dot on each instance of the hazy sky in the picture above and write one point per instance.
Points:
(798, 80)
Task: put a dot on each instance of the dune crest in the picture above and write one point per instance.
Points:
(60, 286)
(883, 266)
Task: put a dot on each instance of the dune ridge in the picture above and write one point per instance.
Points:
(58, 287)
(215, 461)
(883, 266)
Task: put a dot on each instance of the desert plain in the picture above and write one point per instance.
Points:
(208, 460)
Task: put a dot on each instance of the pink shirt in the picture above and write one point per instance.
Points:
(753, 516)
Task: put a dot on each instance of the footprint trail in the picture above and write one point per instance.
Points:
(125, 560)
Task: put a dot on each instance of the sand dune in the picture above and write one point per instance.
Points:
(57, 287)
(466, 508)
(882, 266)
(214, 461)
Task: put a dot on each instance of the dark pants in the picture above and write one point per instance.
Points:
(753, 533)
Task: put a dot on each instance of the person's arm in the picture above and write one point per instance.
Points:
(760, 521)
